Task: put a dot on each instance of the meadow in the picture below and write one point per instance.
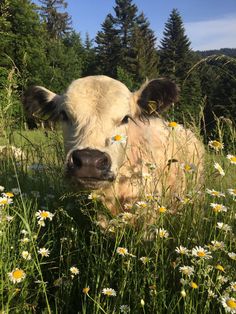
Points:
(54, 258)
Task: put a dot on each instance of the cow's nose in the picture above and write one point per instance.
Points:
(91, 158)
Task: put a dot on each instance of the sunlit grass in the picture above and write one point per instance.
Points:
(54, 258)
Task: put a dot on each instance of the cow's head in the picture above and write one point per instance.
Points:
(95, 113)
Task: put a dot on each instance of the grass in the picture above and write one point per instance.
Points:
(145, 279)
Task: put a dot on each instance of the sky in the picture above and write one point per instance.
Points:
(209, 24)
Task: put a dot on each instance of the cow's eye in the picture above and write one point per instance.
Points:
(125, 119)
(64, 116)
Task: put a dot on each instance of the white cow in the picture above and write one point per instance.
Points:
(115, 141)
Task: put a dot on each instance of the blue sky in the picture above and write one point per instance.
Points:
(209, 24)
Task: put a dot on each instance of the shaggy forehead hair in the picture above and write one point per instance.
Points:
(101, 97)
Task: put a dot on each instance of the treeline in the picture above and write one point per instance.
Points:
(39, 46)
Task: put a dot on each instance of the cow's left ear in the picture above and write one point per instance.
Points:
(42, 103)
(156, 96)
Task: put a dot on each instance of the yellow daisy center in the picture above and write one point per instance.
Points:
(18, 274)
(3, 202)
(215, 193)
(234, 286)
(172, 124)
(9, 194)
(217, 208)
(44, 214)
(187, 167)
(201, 253)
(231, 303)
(194, 285)
(117, 138)
(122, 251)
(216, 144)
(219, 267)
(233, 158)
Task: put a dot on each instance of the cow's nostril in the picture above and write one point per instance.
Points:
(76, 158)
(103, 163)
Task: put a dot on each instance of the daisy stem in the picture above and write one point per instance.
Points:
(98, 305)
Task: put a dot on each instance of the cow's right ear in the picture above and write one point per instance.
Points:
(155, 96)
(42, 103)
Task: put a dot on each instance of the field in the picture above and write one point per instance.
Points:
(55, 259)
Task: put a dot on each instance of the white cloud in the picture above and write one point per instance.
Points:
(212, 34)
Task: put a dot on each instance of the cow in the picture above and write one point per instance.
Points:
(116, 141)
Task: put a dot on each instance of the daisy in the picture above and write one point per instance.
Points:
(26, 255)
(2, 188)
(216, 145)
(44, 252)
(232, 159)
(25, 240)
(193, 285)
(232, 192)
(109, 292)
(122, 251)
(44, 214)
(74, 271)
(145, 259)
(200, 252)
(233, 286)
(5, 201)
(188, 167)
(211, 294)
(141, 204)
(126, 217)
(217, 208)
(86, 290)
(8, 194)
(187, 270)
(17, 275)
(229, 304)
(119, 139)
(94, 196)
(218, 167)
(220, 267)
(215, 193)
(162, 233)
(223, 226)
(125, 309)
(232, 255)
(182, 250)
(217, 245)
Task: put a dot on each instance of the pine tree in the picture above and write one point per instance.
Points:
(58, 23)
(108, 48)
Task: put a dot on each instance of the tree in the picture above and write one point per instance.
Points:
(58, 23)
(176, 60)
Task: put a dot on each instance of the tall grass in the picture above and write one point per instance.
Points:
(145, 275)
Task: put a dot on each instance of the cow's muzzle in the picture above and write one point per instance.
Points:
(89, 167)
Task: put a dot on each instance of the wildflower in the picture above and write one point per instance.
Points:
(74, 271)
(233, 286)
(183, 293)
(232, 255)
(23, 231)
(218, 167)
(119, 139)
(162, 209)
(188, 167)
(122, 251)
(218, 208)
(215, 193)
(162, 233)
(43, 215)
(211, 294)
(232, 159)
(25, 240)
(126, 217)
(9, 218)
(187, 270)
(17, 275)
(8, 194)
(173, 124)
(141, 204)
(142, 302)
(216, 145)
(2, 188)
(145, 259)
(44, 252)
(146, 176)
(109, 292)
(5, 201)
(229, 304)
(232, 192)
(16, 191)
(86, 290)
(217, 245)
(182, 250)
(124, 309)
(193, 285)
(41, 223)
(223, 226)
(26, 255)
(94, 196)
(220, 267)
(200, 252)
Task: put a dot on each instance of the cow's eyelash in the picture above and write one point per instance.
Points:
(126, 119)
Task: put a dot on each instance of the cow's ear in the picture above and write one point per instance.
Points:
(42, 103)
(156, 96)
